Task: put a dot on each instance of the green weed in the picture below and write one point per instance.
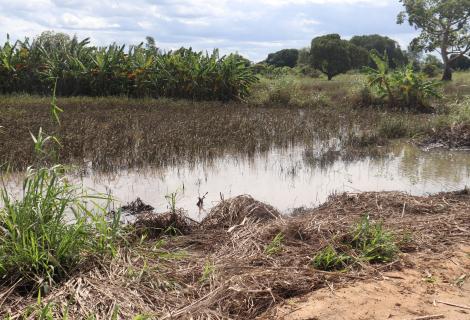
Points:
(329, 259)
(373, 242)
(275, 246)
(207, 272)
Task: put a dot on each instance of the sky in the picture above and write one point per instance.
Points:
(252, 28)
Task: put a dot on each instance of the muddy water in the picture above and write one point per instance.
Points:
(287, 178)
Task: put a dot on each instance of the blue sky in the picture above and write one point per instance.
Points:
(251, 27)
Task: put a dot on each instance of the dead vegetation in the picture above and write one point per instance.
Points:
(245, 258)
(453, 137)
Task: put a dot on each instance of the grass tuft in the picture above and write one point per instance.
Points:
(329, 259)
(275, 246)
(374, 243)
(47, 232)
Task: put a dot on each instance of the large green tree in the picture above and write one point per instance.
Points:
(332, 55)
(444, 25)
(381, 44)
(283, 58)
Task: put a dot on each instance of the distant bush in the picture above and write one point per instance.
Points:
(382, 45)
(460, 63)
(270, 71)
(283, 58)
(432, 66)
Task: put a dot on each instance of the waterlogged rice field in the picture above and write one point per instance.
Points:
(290, 158)
(285, 178)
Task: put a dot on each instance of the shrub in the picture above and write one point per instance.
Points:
(373, 242)
(282, 91)
(403, 87)
(329, 259)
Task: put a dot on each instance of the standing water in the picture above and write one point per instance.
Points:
(286, 178)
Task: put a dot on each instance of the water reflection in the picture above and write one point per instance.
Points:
(287, 177)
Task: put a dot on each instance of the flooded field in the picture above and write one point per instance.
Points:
(290, 158)
(287, 178)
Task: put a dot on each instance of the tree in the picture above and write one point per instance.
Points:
(444, 25)
(332, 55)
(381, 44)
(283, 58)
(304, 56)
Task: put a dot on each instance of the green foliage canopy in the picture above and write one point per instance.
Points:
(444, 25)
(381, 44)
(332, 55)
(283, 58)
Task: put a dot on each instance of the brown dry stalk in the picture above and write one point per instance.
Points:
(211, 273)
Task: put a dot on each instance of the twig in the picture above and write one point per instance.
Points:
(454, 305)
(436, 316)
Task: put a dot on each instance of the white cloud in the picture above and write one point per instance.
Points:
(251, 27)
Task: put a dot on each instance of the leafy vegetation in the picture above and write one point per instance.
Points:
(46, 233)
(139, 71)
(283, 58)
(381, 44)
(403, 87)
(367, 241)
(275, 246)
(374, 243)
(329, 259)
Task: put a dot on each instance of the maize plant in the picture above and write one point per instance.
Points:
(79, 68)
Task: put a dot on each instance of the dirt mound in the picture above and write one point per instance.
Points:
(239, 211)
(153, 225)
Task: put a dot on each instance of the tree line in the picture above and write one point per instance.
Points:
(75, 67)
(444, 27)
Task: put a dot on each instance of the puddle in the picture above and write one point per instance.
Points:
(286, 178)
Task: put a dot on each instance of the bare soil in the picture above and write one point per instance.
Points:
(436, 287)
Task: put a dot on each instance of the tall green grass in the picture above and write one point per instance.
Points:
(50, 229)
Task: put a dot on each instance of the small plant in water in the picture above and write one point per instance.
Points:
(329, 259)
(171, 199)
(275, 246)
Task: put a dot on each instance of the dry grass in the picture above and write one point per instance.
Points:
(225, 272)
